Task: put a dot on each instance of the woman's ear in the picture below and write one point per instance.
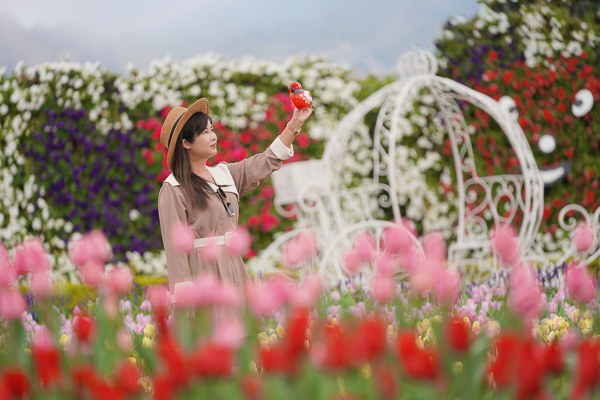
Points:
(186, 144)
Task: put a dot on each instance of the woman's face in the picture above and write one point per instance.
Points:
(205, 145)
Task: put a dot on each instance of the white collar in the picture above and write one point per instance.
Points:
(220, 174)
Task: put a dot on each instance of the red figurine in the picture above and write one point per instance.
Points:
(300, 97)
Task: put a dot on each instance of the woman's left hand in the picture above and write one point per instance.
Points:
(301, 115)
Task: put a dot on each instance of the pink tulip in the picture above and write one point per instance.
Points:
(92, 246)
(43, 339)
(99, 248)
(307, 243)
(159, 297)
(185, 294)
(182, 237)
(382, 289)
(422, 278)
(207, 288)
(580, 283)
(212, 250)
(263, 299)
(240, 242)
(12, 304)
(229, 333)
(229, 296)
(124, 340)
(524, 295)
(434, 246)
(31, 256)
(364, 246)
(446, 286)
(410, 225)
(411, 260)
(111, 306)
(335, 295)
(386, 266)
(306, 295)
(293, 255)
(505, 245)
(352, 262)
(121, 280)
(398, 239)
(8, 274)
(41, 285)
(584, 238)
(93, 273)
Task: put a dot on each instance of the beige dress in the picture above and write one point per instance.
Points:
(241, 178)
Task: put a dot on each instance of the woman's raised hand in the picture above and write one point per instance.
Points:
(301, 115)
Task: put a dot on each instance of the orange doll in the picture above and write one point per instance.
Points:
(300, 97)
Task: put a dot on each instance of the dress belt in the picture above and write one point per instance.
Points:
(220, 240)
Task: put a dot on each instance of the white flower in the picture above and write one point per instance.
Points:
(134, 214)
(195, 90)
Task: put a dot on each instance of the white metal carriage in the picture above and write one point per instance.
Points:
(314, 191)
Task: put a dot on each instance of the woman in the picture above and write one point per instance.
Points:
(206, 198)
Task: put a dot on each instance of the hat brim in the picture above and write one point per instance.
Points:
(201, 105)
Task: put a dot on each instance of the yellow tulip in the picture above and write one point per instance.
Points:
(457, 368)
(280, 332)
(149, 331)
(149, 343)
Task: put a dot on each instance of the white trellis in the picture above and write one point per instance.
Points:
(315, 192)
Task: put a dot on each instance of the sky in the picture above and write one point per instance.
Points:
(369, 36)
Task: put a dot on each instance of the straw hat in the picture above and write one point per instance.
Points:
(175, 121)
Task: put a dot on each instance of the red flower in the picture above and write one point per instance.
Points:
(369, 341)
(46, 363)
(163, 386)
(458, 333)
(303, 140)
(553, 358)
(588, 368)
(127, 377)
(15, 382)
(171, 356)
(253, 220)
(416, 362)
(282, 358)
(239, 154)
(84, 327)
(84, 377)
(386, 379)
(212, 360)
(277, 359)
(502, 370)
(251, 387)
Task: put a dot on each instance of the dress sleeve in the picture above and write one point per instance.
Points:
(172, 209)
(248, 173)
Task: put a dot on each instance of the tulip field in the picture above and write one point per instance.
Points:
(530, 336)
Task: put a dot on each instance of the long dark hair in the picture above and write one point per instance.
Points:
(196, 188)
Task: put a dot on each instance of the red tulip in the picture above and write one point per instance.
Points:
(15, 381)
(212, 360)
(417, 363)
(387, 380)
(251, 387)
(276, 359)
(369, 341)
(171, 356)
(588, 369)
(459, 334)
(502, 370)
(127, 377)
(46, 358)
(84, 327)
